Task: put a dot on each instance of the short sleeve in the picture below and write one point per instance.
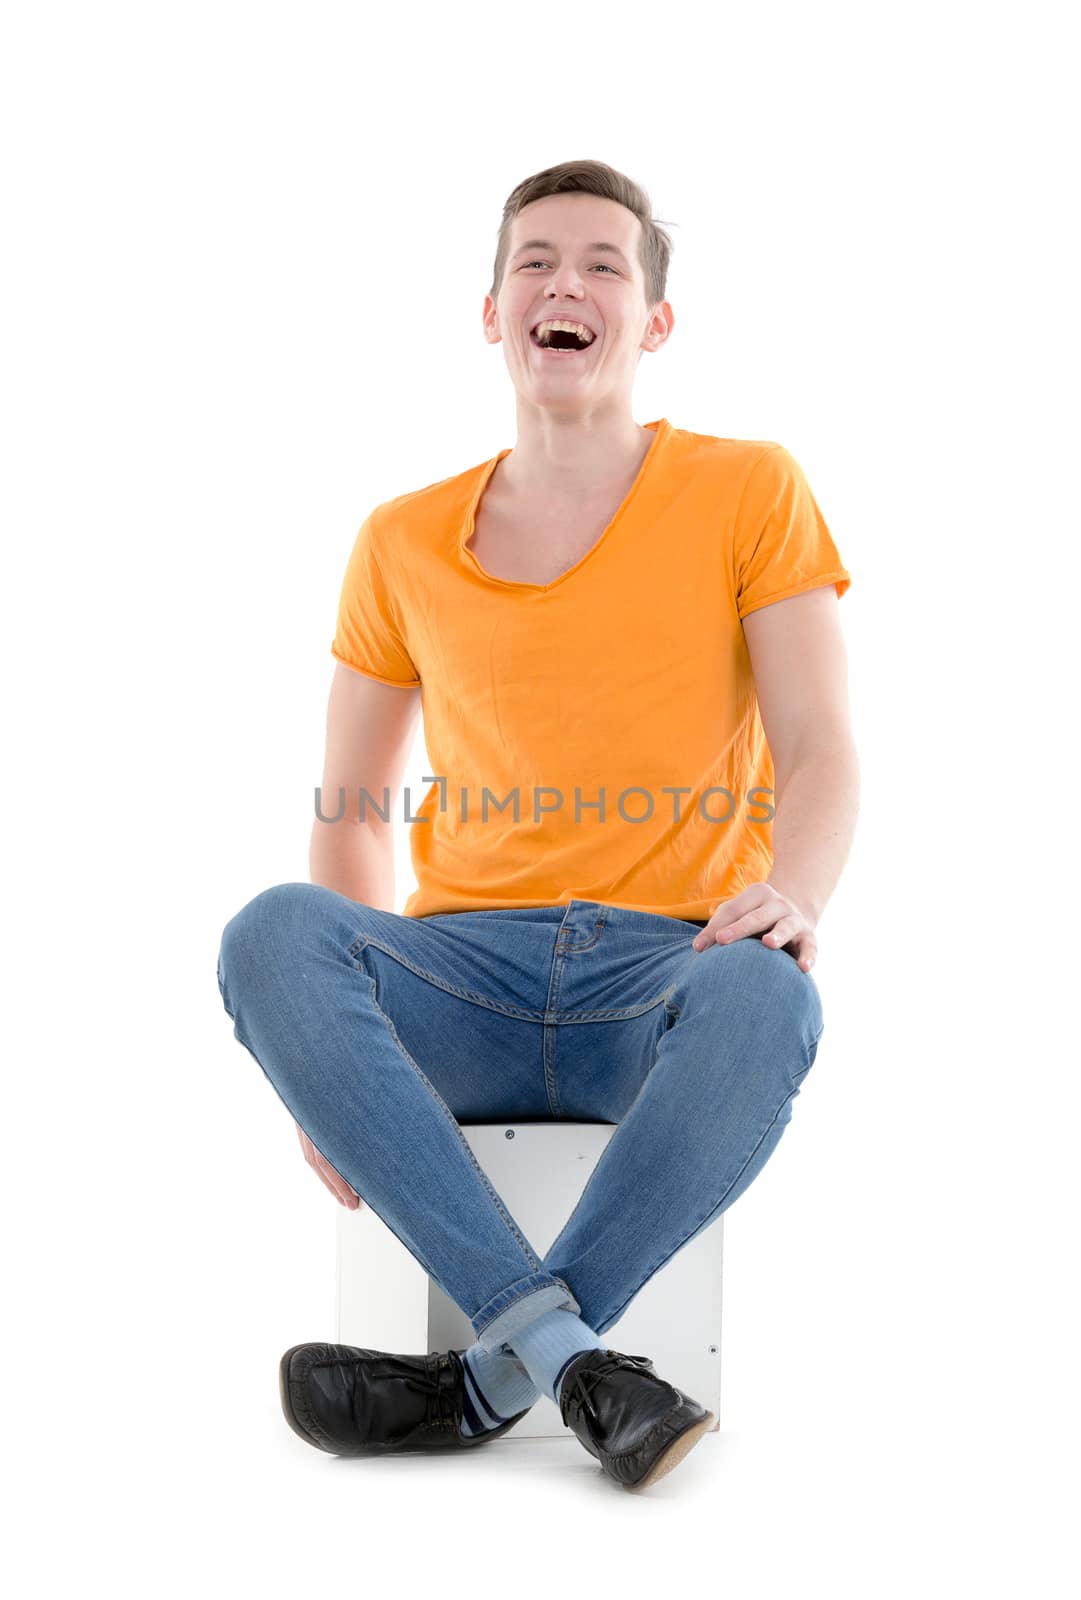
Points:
(782, 545)
(368, 636)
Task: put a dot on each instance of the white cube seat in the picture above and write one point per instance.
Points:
(386, 1301)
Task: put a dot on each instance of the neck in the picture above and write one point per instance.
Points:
(568, 457)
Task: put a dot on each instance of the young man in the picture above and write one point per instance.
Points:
(644, 793)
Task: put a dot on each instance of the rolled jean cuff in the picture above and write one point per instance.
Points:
(515, 1307)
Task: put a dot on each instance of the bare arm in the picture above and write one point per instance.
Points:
(800, 667)
(370, 731)
(370, 728)
(801, 681)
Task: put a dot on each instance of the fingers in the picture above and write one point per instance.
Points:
(350, 1199)
(786, 929)
(801, 945)
(343, 1192)
(726, 933)
(788, 933)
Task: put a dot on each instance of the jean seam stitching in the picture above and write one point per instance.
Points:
(551, 1021)
(598, 929)
(540, 1288)
(603, 1016)
(693, 1232)
(471, 996)
(535, 1265)
(547, 1016)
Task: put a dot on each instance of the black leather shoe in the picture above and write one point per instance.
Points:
(637, 1426)
(353, 1402)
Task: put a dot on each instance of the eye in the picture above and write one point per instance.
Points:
(603, 264)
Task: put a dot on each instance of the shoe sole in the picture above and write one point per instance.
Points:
(680, 1446)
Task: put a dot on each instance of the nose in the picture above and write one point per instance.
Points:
(565, 280)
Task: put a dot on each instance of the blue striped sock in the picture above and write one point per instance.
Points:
(496, 1388)
(548, 1345)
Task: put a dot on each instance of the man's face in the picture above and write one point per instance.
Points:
(570, 279)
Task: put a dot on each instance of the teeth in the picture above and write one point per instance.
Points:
(543, 329)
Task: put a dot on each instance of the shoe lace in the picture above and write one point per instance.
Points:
(444, 1392)
(439, 1385)
(586, 1381)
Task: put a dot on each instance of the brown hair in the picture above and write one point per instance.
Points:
(592, 177)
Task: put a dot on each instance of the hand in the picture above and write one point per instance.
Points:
(330, 1175)
(760, 910)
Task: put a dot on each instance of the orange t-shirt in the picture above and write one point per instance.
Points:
(614, 708)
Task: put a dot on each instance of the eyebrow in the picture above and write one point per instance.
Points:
(546, 244)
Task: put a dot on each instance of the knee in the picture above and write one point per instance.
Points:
(265, 929)
(765, 983)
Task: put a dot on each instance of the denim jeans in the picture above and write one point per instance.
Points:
(379, 1032)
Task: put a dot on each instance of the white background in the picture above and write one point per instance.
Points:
(246, 250)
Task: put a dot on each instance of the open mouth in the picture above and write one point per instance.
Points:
(561, 343)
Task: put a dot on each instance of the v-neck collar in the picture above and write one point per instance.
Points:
(663, 428)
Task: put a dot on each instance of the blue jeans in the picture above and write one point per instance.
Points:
(379, 1031)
